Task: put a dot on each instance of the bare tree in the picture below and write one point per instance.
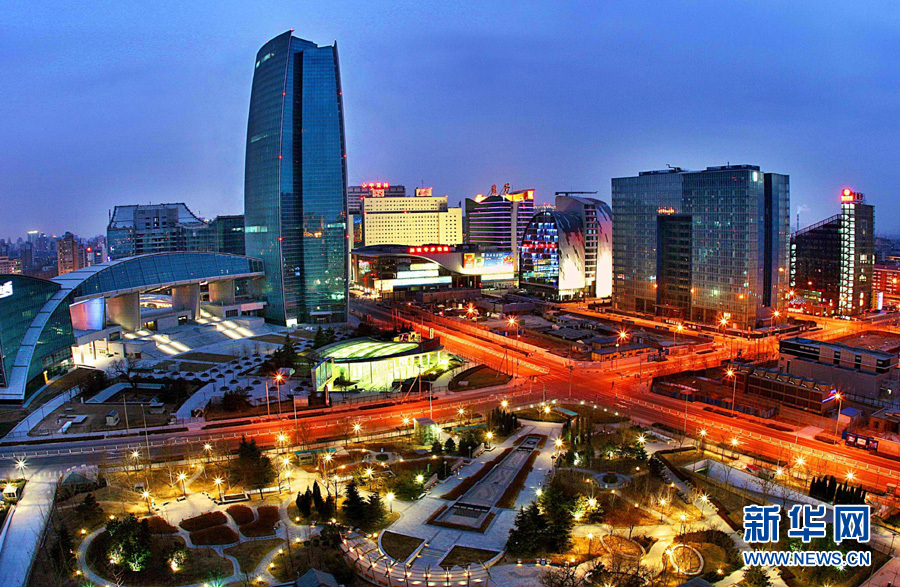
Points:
(126, 369)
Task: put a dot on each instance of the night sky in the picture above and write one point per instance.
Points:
(108, 104)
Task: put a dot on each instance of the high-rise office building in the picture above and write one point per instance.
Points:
(418, 220)
(155, 228)
(734, 219)
(295, 181)
(70, 254)
(832, 261)
(228, 234)
(498, 221)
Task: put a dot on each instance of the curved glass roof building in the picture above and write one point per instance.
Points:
(40, 320)
(295, 181)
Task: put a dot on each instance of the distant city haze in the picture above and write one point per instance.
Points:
(107, 104)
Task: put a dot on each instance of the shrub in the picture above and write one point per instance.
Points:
(241, 514)
(159, 526)
(214, 536)
(264, 525)
(203, 521)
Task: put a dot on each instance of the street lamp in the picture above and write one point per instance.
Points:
(21, 466)
(390, 500)
(678, 330)
(489, 436)
(182, 477)
(146, 495)
(279, 378)
(512, 322)
(850, 476)
(356, 428)
(207, 448)
(218, 482)
(662, 504)
(733, 375)
(504, 404)
(734, 443)
(420, 479)
(837, 421)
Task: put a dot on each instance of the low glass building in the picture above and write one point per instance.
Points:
(376, 365)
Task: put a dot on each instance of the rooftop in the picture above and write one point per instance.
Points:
(364, 348)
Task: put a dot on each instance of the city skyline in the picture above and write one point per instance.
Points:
(164, 120)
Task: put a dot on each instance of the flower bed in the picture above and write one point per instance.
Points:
(203, 521)
(264, 525)
(241, 514)
(214, 536)
(159, 526)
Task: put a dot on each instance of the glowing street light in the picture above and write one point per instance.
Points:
(558, 442)
(218, 481)
(146, 496)
(838, 396)
(356, 428)
(182, 477)
(642, 439)
(504, 404)
(390, 500)
(850, 476)
(420, 479)
(21, 466)
(489, 435)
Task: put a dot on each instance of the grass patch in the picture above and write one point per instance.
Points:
(215, 536)
(471, 480)
(464, 555)
(508, 499)
(477, 377)
(399, 546)
(203, 521)
(249, 554)
(202, 564)
(718, 550)
(241, 514)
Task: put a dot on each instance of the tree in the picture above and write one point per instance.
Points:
(374, 511)
(317, 500)
(354, 505)
(450, 446)
(320, 339)
(129, 542)
(304, 503)
(235, 400)
(254, 468)
(525, 536)
(329, 507)
(126, 369)
(756, 577)
(436, 448)
(564, 577)
(88, 508)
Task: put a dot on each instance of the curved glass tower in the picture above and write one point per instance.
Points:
(295, 181)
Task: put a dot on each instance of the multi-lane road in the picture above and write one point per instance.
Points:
(538, 373)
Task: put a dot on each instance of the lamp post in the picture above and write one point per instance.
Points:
(390, 500)
(837, 421)
(356, 428)
(182, 477)
(218, 482)
(146, 496)
(678, 329)
(21, 466)
(489, 436)
(279, 378)
(733, 375)
(207, 448)
(512, 322)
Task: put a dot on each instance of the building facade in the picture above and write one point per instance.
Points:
(735, 218)
(411, 221)
(498, 220)
(832, 261)
(597, 223)
(371, 189)
(70, 254)
(228, 234)
(295, 181)
(552, 256)
(155, 228)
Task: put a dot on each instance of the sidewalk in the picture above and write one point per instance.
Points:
(25, 530)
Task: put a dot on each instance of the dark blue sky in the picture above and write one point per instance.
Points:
(109, 104)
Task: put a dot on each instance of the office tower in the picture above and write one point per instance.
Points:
(295, 181)
(735, 219)
(70, 254)
(597, 223)
(11, 266)
(372, 189)
(418, 220)
(832, 261)
(498, 220)
(228, 234)
(155, 228)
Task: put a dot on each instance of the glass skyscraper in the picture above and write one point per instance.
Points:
(295, 181)
(733, 221)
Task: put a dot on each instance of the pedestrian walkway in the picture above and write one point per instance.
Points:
(25, 530)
